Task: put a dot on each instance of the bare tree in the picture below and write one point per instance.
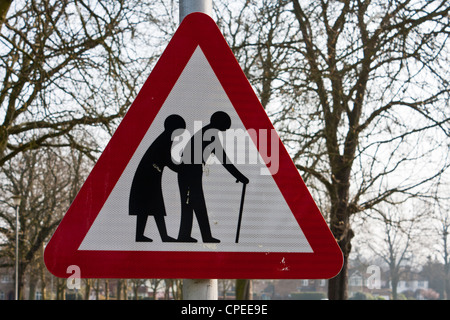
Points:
(366, 63)
(395, 236)
(359, 93)
(69, 71)
(259, 35)
(225, 285)
(46, 182)
(441, 236)
(155, 284)
(136, 285)
(357, 89)
(175, 286)
(69, 65)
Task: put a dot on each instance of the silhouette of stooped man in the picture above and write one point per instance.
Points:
(190, 173)
(146, 197)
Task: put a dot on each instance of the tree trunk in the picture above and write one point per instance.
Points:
(21, 277)
(87, 288)
(4, 7)
(244, 289)
(394, 285)
(135, 290)
(125, 290)
(337, 286)
(340, 227)
(106, 289)
(119, 288)
(446, 282)
(446, 266)
(61, 289)
(32, 286)
(97, 289)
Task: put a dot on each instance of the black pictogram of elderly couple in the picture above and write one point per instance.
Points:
(146, 196)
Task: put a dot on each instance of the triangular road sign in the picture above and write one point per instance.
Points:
(151, 209)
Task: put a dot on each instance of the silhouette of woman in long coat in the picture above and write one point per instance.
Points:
(146, 197)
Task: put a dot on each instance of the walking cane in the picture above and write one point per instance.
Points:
(240, 212)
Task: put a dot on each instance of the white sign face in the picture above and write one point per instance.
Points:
(267, 223)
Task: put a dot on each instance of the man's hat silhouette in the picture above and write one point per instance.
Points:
(220, 120)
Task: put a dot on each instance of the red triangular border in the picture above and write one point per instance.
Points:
(197, 29)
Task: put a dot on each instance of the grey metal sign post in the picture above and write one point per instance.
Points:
(198, 289)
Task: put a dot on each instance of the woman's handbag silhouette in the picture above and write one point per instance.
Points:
(146, 197)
